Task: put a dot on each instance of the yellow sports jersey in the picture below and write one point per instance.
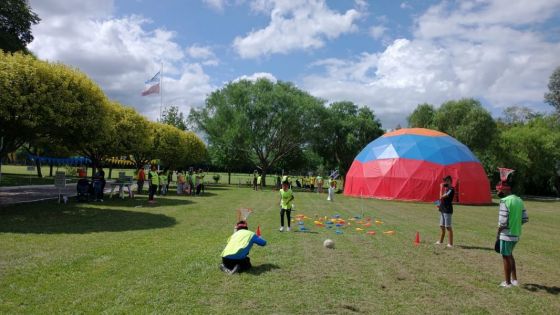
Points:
(286, 197)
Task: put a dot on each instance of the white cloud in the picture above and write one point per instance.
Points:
(203, 53)
(256, 76)
(294, 25)
(377, 31)
(455, 52)
(405, 5)
(216, 4)
(118, 53)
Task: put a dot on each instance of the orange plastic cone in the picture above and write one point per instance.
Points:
(417, 238)
(258, 231)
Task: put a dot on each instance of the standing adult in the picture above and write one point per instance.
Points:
(141, 178)
(319, 183)
(199, 178)
(180, 182)
(512, 216)
(255, 175)
(447, 192)
(99, 184)
(278, 182)
(190, 181)
(153, 179)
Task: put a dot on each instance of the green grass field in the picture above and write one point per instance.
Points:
(124, 256)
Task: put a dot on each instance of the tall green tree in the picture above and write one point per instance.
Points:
(143, 152)
(176, 148)
(47, 101)
(131, 129)
(105, 144)
(552, 97)
(518, 115)
(172, 116)
(16, 19)
(422, 116)
(467, 121)
(533, 150)
(229, 148)
(345, 130)
(269, 119)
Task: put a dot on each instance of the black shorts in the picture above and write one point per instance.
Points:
(244, 264)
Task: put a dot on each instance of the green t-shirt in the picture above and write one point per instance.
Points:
(286, 197)
(515, 206)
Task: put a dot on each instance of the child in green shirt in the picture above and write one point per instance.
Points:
(286, 197)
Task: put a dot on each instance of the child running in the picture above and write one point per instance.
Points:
(286, 197)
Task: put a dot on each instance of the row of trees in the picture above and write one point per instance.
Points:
(521, 139)
(275, 126)
(55, 110)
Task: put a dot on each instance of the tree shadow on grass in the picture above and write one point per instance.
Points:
(216, 187)
(67, 219)
(204, 194)
(475, 247)
(142, 201)
(538, 287)
(260, 269)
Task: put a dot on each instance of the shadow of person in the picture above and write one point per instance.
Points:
(50, 219)
(538, 287)
(260, 269)
(475, 247)
(205, 194)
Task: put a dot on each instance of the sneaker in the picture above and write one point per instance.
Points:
(449, 246)
(288, 229)
(505, 285)
(281, 229)
(234, 270)
(514, 283)
(438, 243)
(224, 269)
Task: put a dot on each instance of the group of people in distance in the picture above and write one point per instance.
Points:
(307, 183)
(190, 182)
(158, 182)
(512, 215)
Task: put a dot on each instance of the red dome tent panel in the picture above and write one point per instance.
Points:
(409, 164)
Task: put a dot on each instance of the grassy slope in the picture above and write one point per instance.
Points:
(128, 257)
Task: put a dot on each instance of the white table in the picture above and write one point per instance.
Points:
(121, 186)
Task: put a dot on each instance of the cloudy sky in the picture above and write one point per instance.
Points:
(389, 55)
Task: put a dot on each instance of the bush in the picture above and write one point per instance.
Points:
(216, 178)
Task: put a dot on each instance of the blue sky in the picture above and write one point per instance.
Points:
(388, 55)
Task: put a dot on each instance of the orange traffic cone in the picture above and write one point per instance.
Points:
(417, 238)
(258, 231)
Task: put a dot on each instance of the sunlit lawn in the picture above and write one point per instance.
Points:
(128, 257)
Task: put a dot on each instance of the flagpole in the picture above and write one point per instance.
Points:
(161, 91)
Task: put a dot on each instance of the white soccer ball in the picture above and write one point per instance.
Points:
(328, 243)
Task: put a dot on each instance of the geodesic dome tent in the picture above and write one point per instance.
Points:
(409, 164)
